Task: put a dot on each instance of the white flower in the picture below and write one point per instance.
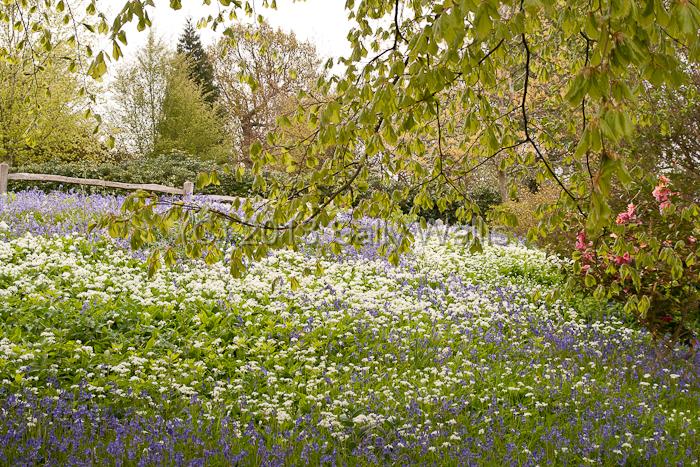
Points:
(360, 419)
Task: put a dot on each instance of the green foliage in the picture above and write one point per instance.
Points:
(186, 121)
(137, 92)
(485, 199)
(429, 96)
(648, 260)
(669, 140)
(43, 114)
(432, 90)
(158, 108)
(76, 142)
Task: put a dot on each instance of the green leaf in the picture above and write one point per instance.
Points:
(255, 149)
(590, 281)
(483, 23)
(98, 67)
(643, 305)
(331, 114)
(202, 180)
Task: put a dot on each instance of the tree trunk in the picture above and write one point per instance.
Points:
(503, 185)
(248, 138)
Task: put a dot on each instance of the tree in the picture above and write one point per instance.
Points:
(200, 67)
(187, 122)
(137, 96)
(260, 71)
(158, 108)
(42, 111)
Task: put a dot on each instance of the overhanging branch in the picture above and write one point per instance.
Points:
(526, 127)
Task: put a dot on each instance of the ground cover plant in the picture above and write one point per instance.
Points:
(448, 358)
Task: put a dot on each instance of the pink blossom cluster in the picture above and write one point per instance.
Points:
(583, 247)
(624, 259)
(581, 241)
(662, 193)
(587, 256)
(627, 216)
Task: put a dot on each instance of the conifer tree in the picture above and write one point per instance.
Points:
(200, 68)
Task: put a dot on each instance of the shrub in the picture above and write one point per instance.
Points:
(525, 207)
(80, 146)
(647, 259)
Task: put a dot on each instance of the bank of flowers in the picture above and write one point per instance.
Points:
(450, 358)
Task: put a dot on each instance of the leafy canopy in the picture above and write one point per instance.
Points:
(188, 122)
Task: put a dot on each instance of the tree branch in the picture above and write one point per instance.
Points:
(528, 136)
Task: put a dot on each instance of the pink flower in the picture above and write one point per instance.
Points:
(627, 216)
(624, 259)
(581, 241)
(622, 218)
(661, 193)
(585, 268)
(692, 239)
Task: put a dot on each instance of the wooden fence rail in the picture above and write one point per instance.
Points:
(186, 191)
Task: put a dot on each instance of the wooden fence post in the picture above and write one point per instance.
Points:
(4, 171)
(187, 191)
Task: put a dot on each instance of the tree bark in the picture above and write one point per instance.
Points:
(503, 185)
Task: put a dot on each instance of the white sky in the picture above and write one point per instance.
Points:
(321, 22)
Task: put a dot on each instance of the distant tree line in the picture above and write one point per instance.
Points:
(209, 103)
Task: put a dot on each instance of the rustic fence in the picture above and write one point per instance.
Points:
(186, 191)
